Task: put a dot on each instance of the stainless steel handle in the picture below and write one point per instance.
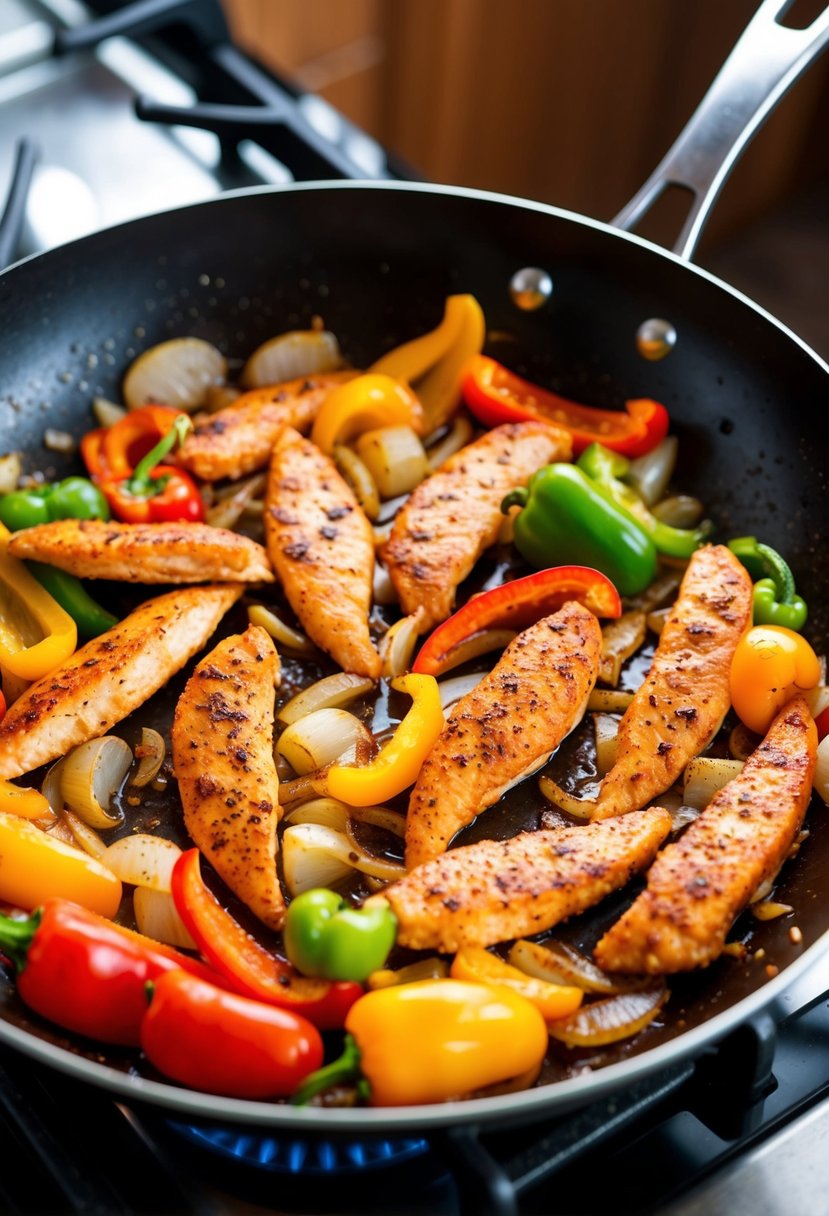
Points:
(763, 65)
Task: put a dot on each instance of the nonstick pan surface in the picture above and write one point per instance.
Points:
(746, 398)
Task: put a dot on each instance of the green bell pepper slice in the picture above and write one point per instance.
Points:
(776, 601)
(72, 498)
(607, 469)
(325, 937)
(24, 509)
(92, 620)
(566, 519)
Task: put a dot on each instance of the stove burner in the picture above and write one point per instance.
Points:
(301, 1155)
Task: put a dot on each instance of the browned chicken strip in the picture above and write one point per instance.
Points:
(223, 756)
(145, 553)
(701, 882)
(505, 728)
(455, 514)
(322, 548)
(109, 677)
(238, 440)
(497, 890)
(685, 695)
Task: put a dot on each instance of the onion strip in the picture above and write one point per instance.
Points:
(332, 692)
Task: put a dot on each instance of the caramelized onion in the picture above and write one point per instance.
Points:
(705, 776)
(482, 642)
(85, 836)
(431, 968)
(609, 700)
(90, 777)
(330, 812)
(580, 808)
(620, 639)
(332, 692)
(458, 437)
(398, 643)
(606, 729)
(282, 633)
(609, 1021)
(357, 474)
(151, 752)
(452, 690)
(318, 739)
(768, 909)
(558, 963)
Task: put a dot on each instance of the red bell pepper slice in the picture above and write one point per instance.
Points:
(517, 605)
(251, 969)
(822, 723)
(496, 395)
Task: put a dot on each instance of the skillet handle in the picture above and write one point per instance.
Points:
(763, 65)
(14, 212)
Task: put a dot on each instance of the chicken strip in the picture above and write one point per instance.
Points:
(109, 677)
(455, 514)
(685, 695)
(497, 890)
(322, 548)
(699, 884)
(238, 440)
(505, 728)
(144, 553)
(223, 757)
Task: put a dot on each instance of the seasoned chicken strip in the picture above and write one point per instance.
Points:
(238, 440)
(455, 514)
(700, 883)
(685, 695)
(109, 677)
(322, 548)
(145, 553)
(505, 728)
(223, 758)
(497, 890)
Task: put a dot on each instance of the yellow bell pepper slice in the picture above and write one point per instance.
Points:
(398, 763)
(477, 965)
(22, 801)
(364, 404)
(35, 867)
(770, 666)
(36, 635)
(432, 364)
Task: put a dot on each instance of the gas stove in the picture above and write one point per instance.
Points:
(126, 110)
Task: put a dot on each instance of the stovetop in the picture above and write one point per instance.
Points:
(739, 1131)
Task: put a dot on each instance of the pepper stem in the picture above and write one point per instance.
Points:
(777, 569)
(141, 484)
(341, 1071)
(16, 937)
(516, 498)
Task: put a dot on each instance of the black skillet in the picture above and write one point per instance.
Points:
(746, 398)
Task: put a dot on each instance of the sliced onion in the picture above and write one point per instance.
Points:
(84, 836)
(91, 775)
(288, 356)
(330, 812)
(579, 808)
(51, 790)
(318, 739)
(314, 856)
(705, 776)
(156, 916)
(11, 468)
(107, 413)
(231, 505)
(655, 620)
(821, 778)
(606, 728)
(143, 860)
(151, 752)
(558, 963)
(769, 909)
(651, 473)
(482, 642)
(679, 511)
(301, 789)
(332, 692)
(390, 507)
(281, 632)
(220, 396)
(459, 436)
(59, 441)
(357, 474)
(176, 373)
(681, 815)
(380, 817)
(382, 532)
(610, 1021)
(398, 643)
(395, 459)
(383, 590)
(742, 742)
(817, 699)
(663, 588)
(620, 639)
(609, 700)
(452, 690)
(431, 968)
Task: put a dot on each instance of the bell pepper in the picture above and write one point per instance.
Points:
(397, 765)
(22, 799)
(775, 599)
(566, 518)
(251, 969)
(221, 1043)
(517, 605)
(325, 937)
(606, 468)
(91, 619)
(771, 664)
(148, 492)
(364, 404)
(86, 973)
(35, 866)
(2, 706)
(433, 364)
(434, 1040)
(21, 596)
(552, 1001)
(72, 498)
(496, 395)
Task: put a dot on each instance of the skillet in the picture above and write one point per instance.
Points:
(746, 399)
